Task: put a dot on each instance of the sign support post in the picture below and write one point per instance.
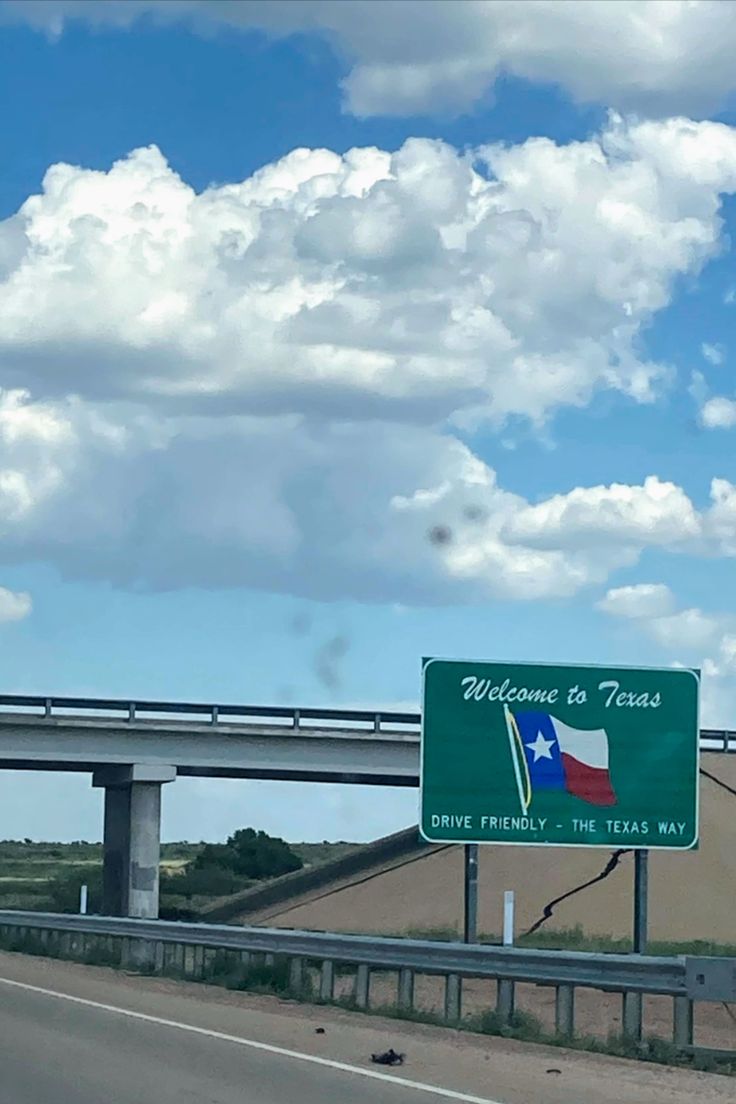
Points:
(641, 900)
(632, 1002)
(470, 924)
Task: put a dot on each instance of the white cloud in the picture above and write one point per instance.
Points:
(408, 56)
(656, 513)
(714, 411)
(652, 607)
(718, 413)
(696, 638)
(640, 601)
(14, 605)
(367, 510)
(409, 280)
(349, 509)
(714, 354)
(687, 629)
(261, 384)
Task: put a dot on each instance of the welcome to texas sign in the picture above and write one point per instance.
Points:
(572, 756)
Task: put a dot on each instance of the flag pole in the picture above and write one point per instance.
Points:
(514, 757)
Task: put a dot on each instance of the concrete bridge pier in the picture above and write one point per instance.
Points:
(132, 837)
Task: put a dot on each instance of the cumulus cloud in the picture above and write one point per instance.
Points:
(322, 508)
(714, 411)
(266, 383)
(656, 513)
(688, 637)
(408, 56)
(415, 285)
(718, 412)
(641, 600)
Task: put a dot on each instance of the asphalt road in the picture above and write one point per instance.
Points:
(55, 1053)
(81, 1035)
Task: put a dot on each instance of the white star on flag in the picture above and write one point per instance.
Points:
(541, 747)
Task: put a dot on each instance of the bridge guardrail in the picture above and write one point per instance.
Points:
(362, 720)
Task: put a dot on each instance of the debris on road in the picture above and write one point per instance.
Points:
(388, 1058)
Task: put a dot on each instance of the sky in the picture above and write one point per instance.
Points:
(338, 334)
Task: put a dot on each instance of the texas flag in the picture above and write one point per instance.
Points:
(558, 757)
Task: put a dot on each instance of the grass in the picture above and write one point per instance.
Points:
(575, 939)
(29, 871)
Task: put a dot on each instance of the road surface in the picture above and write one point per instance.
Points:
(72, 1034)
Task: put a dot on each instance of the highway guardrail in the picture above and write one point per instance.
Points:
(166, 946)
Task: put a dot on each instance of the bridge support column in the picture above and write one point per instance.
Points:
(132, 838)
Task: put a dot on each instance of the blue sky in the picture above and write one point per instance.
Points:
(140, 455)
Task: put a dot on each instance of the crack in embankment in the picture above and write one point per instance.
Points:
(610, 866)
(549, 908)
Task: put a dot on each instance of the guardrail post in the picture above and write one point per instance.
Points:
(406, 989)
(327, 980)
(362, 986)
(453, 998)
(296, 975)
(138, 954)
(632, 1015)
(505, 999)
(565, 1010)
(682, 1025)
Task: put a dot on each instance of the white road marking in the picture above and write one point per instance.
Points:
(420, 1086)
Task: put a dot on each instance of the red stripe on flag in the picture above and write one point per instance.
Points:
(588, 783)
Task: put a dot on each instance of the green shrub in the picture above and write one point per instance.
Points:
(202, 881)
(249, 854)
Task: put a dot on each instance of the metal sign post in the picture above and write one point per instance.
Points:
(470, 924)
(632, 1015)
(641, 900)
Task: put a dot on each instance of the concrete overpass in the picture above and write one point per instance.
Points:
(132, 748)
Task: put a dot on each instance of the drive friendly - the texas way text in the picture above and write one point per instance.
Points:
(584, 826)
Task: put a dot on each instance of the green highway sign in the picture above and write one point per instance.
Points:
(568, 756)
